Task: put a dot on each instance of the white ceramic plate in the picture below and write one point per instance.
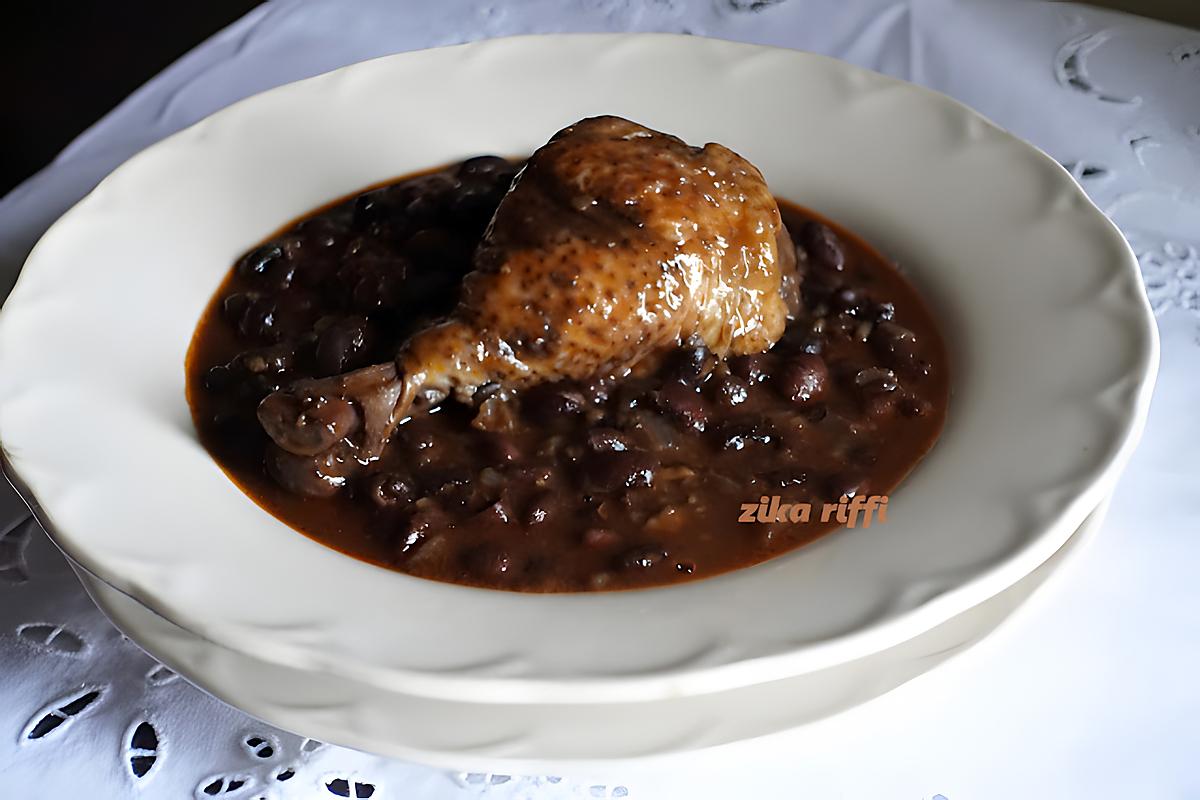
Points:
(1052, 342)
(555, 738)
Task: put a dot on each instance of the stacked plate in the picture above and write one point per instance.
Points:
(1052, 341)
(539, 738)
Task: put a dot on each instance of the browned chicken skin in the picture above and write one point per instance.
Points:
(615, 244)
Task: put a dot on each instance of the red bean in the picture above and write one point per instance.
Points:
(616, 470)
(378, 287)
(235, 305)
(802, 379)
(344, 345)
(899, 348)
(753, 369)
(428, 516)
(690, 364)
(822, 246)
(876, 380)
(684, 404)
(786, 478)
(267, 266)
(322, 233)
(800, 338)
(218, 378)
(474, 203)
(876, 388)
(489, 168)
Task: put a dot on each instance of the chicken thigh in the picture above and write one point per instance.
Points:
(615, 244)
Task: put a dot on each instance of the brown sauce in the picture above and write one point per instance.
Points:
(613, 484)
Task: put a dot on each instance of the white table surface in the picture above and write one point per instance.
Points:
(1090, 692)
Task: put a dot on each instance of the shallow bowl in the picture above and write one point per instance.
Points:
(1052, 342)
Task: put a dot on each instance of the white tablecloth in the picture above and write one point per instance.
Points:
(1091, 692)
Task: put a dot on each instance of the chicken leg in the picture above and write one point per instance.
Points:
(615, 244)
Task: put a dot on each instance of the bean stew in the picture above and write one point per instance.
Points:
(616, 482)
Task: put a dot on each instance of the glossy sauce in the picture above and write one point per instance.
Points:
(606, 484)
